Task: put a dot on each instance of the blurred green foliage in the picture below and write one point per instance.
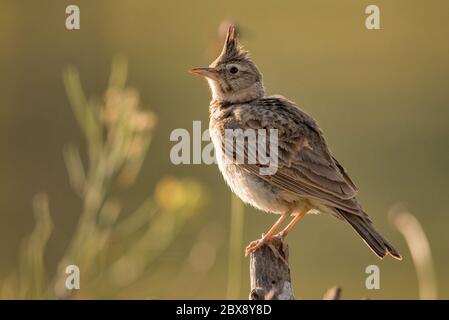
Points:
(111, 253)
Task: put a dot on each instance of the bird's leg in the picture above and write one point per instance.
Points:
(294, 221)
(254, 245)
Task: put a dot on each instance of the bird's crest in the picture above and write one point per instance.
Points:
(232, 50)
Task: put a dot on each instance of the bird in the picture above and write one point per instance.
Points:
(308, 178)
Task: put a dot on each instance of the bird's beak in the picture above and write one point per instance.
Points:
(210, 73)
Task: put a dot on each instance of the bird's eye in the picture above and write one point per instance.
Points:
(233, 70)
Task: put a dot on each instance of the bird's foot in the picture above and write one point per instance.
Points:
(266, 240)
(256, 244)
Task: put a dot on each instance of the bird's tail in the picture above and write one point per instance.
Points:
(372, 238)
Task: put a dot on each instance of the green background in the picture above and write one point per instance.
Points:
(380, 96)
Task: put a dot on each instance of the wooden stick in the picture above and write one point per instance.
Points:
(270, 272)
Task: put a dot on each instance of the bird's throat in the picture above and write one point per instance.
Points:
(235, 96)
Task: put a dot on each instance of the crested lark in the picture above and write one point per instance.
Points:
(308, 177)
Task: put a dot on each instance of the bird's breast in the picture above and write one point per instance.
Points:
(247, 186)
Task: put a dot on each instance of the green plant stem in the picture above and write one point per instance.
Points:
(235, 248)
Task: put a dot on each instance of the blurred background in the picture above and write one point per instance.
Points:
(85, 119)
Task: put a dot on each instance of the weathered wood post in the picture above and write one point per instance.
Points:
(270, 272)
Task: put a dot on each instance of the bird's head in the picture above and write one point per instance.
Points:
(233, 77)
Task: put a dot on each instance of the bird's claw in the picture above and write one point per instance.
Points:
(254, 245)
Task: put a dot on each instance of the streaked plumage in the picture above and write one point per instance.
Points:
(308, 177)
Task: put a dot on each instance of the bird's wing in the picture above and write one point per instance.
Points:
(305, 164)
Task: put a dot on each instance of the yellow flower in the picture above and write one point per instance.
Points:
(171, 193)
